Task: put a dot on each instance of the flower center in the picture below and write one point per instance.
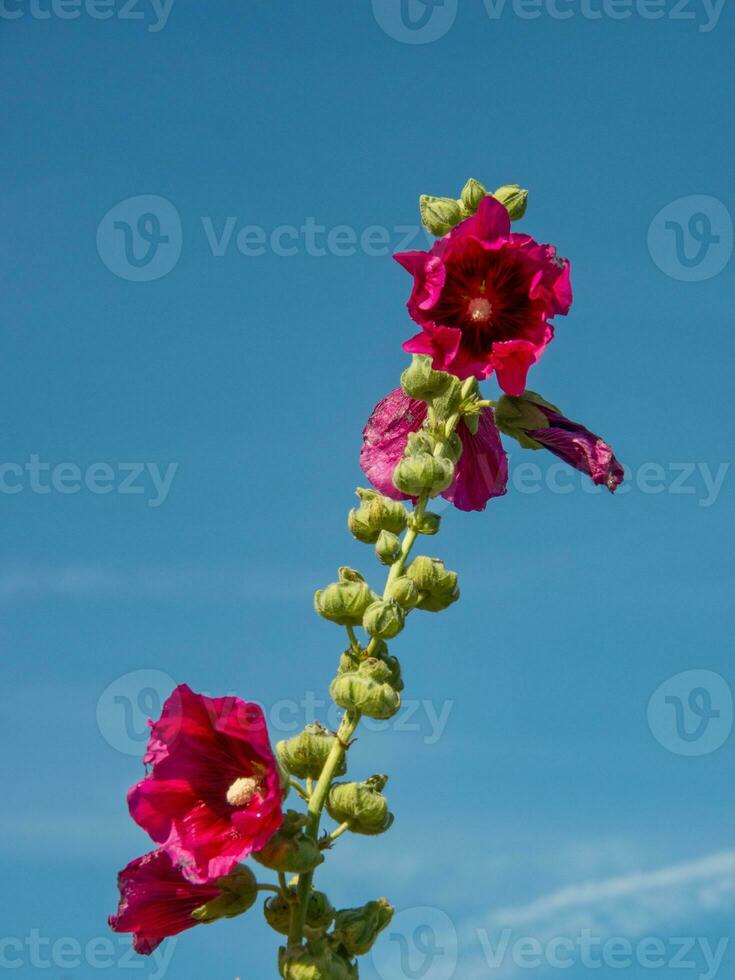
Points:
(480, 310)
(242, 791)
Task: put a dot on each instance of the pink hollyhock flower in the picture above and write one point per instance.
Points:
(580, 448)
(482, 470)
(484, 298)
(214, 792)
(157, 901)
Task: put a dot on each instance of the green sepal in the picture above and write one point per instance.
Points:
(357, 930)
(289, 849)
(420, 381)
(238, 892)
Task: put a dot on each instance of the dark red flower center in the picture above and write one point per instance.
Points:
(486, 296)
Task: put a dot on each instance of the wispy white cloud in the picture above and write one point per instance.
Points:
(630, 905)
(678, 884)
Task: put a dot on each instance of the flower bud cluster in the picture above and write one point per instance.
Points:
(440, 214)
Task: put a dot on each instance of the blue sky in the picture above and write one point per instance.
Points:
(180, 447)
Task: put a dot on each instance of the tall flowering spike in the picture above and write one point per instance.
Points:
(481, 471)
(157, 901)
(484, 298)
(538, 424)
(214, 792)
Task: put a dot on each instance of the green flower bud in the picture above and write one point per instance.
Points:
(423, 473)
(421, 381)
(319, 910)
(514, 198)
(358, 929)
(438, 586)
(277, 912)
(384, 619)
(289, 849)
(472, 194)
(404, 591)
(439, 214)
(367, 689)
(387, 547)
(238, 891)
(376, 513)
(426, 523)
(516, 415)
(345, 602)
(304, 755)
(315, 961)
(361, 805)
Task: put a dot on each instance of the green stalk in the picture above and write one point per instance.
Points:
(351, 720)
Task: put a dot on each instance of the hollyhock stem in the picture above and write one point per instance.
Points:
(318, 795)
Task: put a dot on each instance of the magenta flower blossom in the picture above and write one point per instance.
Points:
(482, 470)
(484, 298)
(157, 901)
(580, 448)
(214, 792)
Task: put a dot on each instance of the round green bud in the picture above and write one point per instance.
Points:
(367, 689)
(376, 513)
(423, 473)
(438, 586)
(439, 214)
(277, 912)
(472, 194)
(289, 849)
(404, 591)
(318, 960)
(421, 381)
(514, 198)
(387, 547)
(427, 523)
(361, 805)
(384, 619)
(238, 892)
(358, 929)
(304, 755)
(345, 602)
